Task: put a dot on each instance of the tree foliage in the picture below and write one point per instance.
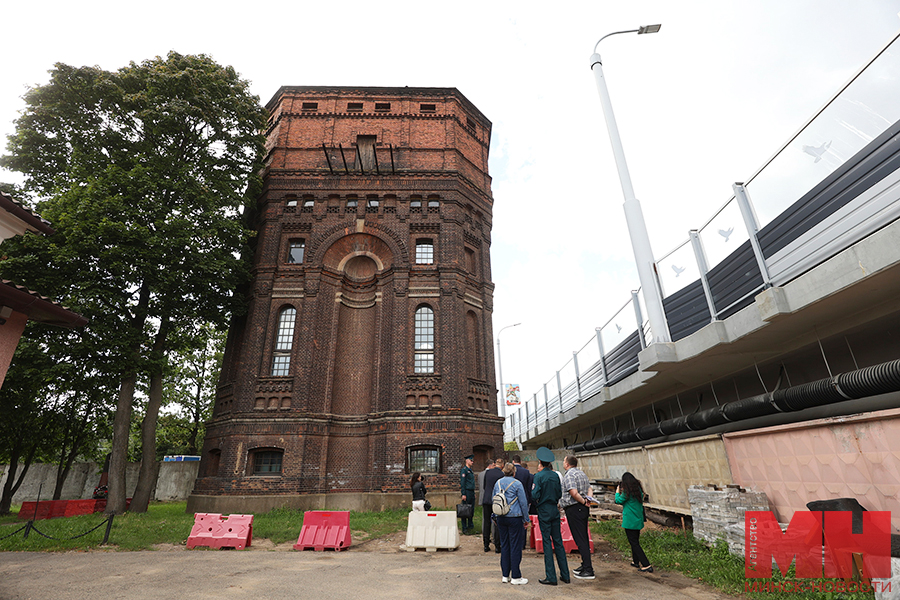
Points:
(143, 172)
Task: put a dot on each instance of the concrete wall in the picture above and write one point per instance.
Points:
(842, 457)
(665, 470)
(175, 481)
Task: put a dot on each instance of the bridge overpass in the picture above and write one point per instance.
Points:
(784, 315)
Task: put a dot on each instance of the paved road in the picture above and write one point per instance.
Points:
(372, 571)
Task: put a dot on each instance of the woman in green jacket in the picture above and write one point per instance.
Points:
(630, 495)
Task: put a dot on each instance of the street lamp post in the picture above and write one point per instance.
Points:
(500, 369)
(634, 216)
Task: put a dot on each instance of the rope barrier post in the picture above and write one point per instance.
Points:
(28, 527)
(109, 523)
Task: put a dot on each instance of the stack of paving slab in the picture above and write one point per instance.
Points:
(719, 513)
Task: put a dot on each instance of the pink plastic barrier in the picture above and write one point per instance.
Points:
(212, 531)
(324, 530)
(537, 541)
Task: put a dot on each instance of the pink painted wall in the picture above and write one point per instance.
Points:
(840, 457)
(10, 332)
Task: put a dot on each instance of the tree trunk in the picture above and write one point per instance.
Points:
(149, 466)
(6, 498)
(115, 504)
(10, 488)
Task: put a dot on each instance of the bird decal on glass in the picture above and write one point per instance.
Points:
(618, 329)
(678, 270)
(726, 233)
(817, 151)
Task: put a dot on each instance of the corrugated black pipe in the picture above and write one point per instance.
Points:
(871, 381)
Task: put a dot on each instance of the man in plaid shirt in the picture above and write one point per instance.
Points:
(575, 504)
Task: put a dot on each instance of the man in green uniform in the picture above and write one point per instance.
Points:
(467, 491)
(546, 493)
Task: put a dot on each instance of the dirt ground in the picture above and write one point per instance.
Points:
(371, 569)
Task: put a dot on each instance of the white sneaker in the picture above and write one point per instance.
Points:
(519, 581)
(504, 580)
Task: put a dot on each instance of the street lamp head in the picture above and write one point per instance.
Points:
(595, 58)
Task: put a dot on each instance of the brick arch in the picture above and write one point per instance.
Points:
(320, 246)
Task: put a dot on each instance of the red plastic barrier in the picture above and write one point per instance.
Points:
(535, 531)
(212, 531)
(568, 542)
(202, 531)
(236, 531)
(324, 530)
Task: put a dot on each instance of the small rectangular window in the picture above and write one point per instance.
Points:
(291, 201)
(427, 107)
(470, 122)
(423, 460)
(434, 203)
(309, 203)
(310, 106)
(424, 252)
(372, 203)
(296, 250)
(354, 106)
(351, 202)
(382, 106)
(267, 463)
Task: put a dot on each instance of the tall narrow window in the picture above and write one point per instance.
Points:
(424, 342)
(424, 252)
(281, 361)
(296, 248)
(366, 146)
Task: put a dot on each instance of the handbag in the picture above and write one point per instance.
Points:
(427, 505)
(465, 511)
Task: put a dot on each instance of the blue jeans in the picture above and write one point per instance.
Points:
(511, 534)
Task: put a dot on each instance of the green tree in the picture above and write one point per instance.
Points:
(143, 173)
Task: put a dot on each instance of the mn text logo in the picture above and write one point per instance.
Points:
(808, 534)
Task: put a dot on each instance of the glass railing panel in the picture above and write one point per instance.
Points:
(723, 233)
(677, 269)
(857, 115)
(619, 327)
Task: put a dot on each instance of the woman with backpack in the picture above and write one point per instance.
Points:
(511, 507)
(630, 495)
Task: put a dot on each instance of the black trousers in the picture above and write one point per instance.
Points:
(577, 515)
(487, 525)
(637, 553)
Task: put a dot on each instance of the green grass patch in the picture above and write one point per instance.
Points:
(673, 551)
(168, 523)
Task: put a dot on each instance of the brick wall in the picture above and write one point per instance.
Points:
(352, 402)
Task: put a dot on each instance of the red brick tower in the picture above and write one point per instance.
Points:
(366, 352)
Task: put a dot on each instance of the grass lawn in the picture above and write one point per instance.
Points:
(167, 523)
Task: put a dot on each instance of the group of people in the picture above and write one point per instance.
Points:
(546, 494)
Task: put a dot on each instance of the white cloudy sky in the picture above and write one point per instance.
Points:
(700, 105)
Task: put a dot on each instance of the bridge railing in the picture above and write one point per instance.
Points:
(745, 246)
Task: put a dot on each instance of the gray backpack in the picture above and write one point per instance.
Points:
(500, 505)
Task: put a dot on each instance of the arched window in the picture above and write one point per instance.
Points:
(424, 340)
(284, 340)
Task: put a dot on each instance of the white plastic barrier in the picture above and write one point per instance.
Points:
(432, 530)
